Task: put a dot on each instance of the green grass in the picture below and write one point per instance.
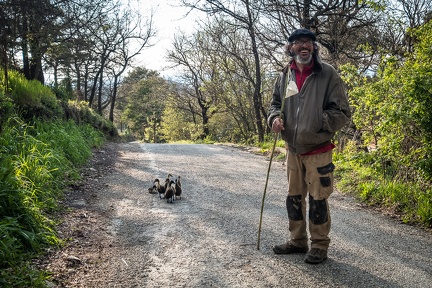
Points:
(31, 98)
(40, 154)
(268, 145)
(359, 175)
(37, 161)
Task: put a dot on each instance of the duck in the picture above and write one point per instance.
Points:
(152, 190)
(170, 177)
(170, 190)
(178, 188)
(160, 189)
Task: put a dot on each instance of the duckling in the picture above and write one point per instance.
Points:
(152, 190)
(160, 189)
(170, 191)
(170, 177)
(178, 188)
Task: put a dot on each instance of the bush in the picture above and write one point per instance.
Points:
(32, 98)
(6, 107)
(361, 175)
(81, 113)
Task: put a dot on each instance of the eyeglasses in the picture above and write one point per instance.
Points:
(301, 42)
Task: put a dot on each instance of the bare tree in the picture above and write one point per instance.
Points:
(341, 25)
(98, 44)
(190, 54)
(243, 14)
(132, 31)
(412, 14)
(229, 47)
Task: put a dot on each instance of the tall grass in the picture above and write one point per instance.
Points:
(40, 153)
(361, 174)
(37, 161)
(32, 98)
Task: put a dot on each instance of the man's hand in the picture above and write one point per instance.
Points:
(277, 125)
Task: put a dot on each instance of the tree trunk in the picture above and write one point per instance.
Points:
(257, 97)
(306, 14)
(36, 72)
(113, 99)
(93, 89)
(99, 103)
(25, 50)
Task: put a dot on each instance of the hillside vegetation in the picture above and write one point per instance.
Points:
(43, 143)
(388, 160)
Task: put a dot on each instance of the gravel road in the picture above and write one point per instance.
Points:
(208, 238)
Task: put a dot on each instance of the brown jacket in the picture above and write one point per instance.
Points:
(315, 113)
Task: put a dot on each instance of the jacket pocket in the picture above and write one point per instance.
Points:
(318, 123)
(309, 130)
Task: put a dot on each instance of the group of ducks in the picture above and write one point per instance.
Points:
(170, 190)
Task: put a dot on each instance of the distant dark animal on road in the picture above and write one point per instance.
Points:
(178, 188)
(160, 189)
(170, 190)
(152, 190)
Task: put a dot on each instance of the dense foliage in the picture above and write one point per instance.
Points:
(393, 118)
(41, 152)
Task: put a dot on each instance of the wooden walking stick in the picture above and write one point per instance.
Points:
(265, 190)
(291, 89)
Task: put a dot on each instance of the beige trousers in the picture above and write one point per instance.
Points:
(313, 174)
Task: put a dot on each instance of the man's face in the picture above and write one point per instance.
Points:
(302, 49)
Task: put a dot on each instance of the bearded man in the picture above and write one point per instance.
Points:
(316, 106)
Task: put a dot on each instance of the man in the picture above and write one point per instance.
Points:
(315, 107)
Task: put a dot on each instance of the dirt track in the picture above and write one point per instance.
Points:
(123, 236)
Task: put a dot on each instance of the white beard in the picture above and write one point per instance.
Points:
(300, 60)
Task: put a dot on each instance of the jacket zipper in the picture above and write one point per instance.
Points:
(300, 102)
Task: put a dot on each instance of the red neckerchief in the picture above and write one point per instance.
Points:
(301, 76)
